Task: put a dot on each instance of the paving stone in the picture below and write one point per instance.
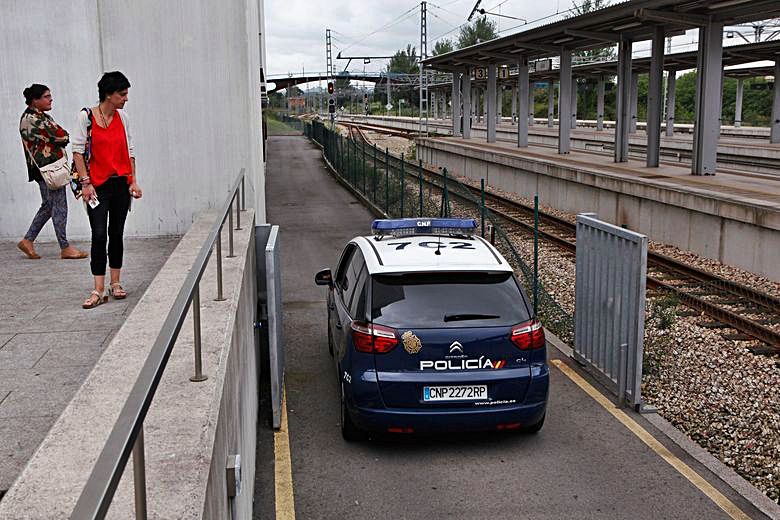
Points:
(48, 343)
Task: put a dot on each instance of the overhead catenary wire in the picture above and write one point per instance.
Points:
(401, 18)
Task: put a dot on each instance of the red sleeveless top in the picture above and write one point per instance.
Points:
(110, 155)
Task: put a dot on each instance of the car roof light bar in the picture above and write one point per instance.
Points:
(424, 226)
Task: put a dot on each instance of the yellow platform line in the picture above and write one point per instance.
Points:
(697, 480)
(283, 483)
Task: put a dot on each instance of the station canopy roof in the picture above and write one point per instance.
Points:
(633, 19)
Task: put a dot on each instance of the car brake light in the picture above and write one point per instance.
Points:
(528, 335)
(373, 338)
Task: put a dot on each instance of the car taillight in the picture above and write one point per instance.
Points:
(373, 338)
(528, 335)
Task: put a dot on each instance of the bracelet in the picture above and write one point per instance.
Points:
(84, 180)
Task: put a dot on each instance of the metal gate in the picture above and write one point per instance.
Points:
(269, 319)
(610, 305)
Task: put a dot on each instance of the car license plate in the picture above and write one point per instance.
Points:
(454, 393)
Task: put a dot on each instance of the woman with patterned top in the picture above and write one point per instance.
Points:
(105, 161)
(44, 142)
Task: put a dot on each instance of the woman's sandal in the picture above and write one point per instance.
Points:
(117, 291)
(94, 299)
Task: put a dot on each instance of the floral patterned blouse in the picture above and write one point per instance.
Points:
(42, 138)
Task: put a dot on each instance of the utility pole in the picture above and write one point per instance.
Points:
(423, 76)
(329, 72)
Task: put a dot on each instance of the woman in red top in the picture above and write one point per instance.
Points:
(103, 154)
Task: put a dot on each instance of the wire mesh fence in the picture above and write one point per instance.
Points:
(401, 188)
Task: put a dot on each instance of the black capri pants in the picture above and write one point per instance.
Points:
(107, 221)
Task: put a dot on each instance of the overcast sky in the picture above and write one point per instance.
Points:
(295, 29)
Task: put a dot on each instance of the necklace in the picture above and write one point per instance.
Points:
(103, 116)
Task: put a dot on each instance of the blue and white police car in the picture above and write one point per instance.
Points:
(431, 331)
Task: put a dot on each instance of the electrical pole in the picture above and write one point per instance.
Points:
(329, 72)
(423, 77)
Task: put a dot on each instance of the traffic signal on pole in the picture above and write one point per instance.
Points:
(330, 87)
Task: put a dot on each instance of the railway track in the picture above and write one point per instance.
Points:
(669, 156)
(727, 304)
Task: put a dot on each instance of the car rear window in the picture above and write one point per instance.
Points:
(438, 300)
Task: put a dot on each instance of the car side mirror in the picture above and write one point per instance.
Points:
(324, 277)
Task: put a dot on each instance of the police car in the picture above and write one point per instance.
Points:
(431, 331)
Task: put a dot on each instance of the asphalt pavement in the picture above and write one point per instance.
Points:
(583, 464)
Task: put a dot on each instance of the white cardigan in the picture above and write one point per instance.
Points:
(78, 139)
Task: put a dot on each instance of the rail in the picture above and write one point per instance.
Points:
(127, 435)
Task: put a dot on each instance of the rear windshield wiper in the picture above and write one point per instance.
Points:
(464, 317)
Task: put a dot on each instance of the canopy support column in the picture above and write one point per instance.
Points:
(738, 103)
(623, 109)
(564, 103)
(774, 136)
(708, 87)
(671, 82)
(490, 101)
(551, 104)
(456, 110)
(600, 105)
(522, 89)
(634, 102)
(655, 92)
(468, 106)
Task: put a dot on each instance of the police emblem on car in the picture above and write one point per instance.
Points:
(412, 343)
(434, 282)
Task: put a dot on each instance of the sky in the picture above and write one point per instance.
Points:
(295, 29)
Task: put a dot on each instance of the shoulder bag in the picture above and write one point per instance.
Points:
(75, 183)
(57, 174)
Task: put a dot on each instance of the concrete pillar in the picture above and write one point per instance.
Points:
(522, 89)
(456, 111)
(564, 103)
(475, 108)
(671, 82)
(655, 93)
(774, 136)
(574, 95)
(434, 106)
(708, 88)
(490, 101)
(623, 109)
(485, 103)
(600, 105)
(499, 104)
(531, 103)
(468, 104)
(514, 105)
(738, 103)
(551, 104)
(634, 102)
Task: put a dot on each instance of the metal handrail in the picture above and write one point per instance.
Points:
(127, 434)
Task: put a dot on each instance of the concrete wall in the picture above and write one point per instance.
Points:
(191, 428)
(731, 231)
(194, 66)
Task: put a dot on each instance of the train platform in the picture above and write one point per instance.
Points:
(48, 343)
(730, 217)
(591, 459)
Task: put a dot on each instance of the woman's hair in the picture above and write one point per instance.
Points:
(33, 92)
(112, 82)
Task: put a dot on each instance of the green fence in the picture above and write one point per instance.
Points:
(400, 188)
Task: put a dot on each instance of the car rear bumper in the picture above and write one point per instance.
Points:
(436, 420)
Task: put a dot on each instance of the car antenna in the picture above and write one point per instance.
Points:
(438, 246)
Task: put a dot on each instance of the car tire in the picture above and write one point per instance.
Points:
(349, 431)
(533, 428)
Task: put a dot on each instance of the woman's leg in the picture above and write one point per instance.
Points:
(117, 215)
(59, 215)
(98, 221)
(42, 216)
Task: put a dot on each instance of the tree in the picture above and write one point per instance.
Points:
(404, 61)
(480, 31)
(603, 53)
(443, 46)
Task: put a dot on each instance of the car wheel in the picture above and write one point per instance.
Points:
(349, 431)
(533, 428)
(330, 342)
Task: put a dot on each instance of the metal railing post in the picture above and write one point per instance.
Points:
(374, 177)
(482, 206)
(243, 195)
(622, 374)
(238, 213)
(219, 298)
(387, 180)
(198, 377)
(230, 231)
(403, 185)
(139, 476)
(420, 188)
